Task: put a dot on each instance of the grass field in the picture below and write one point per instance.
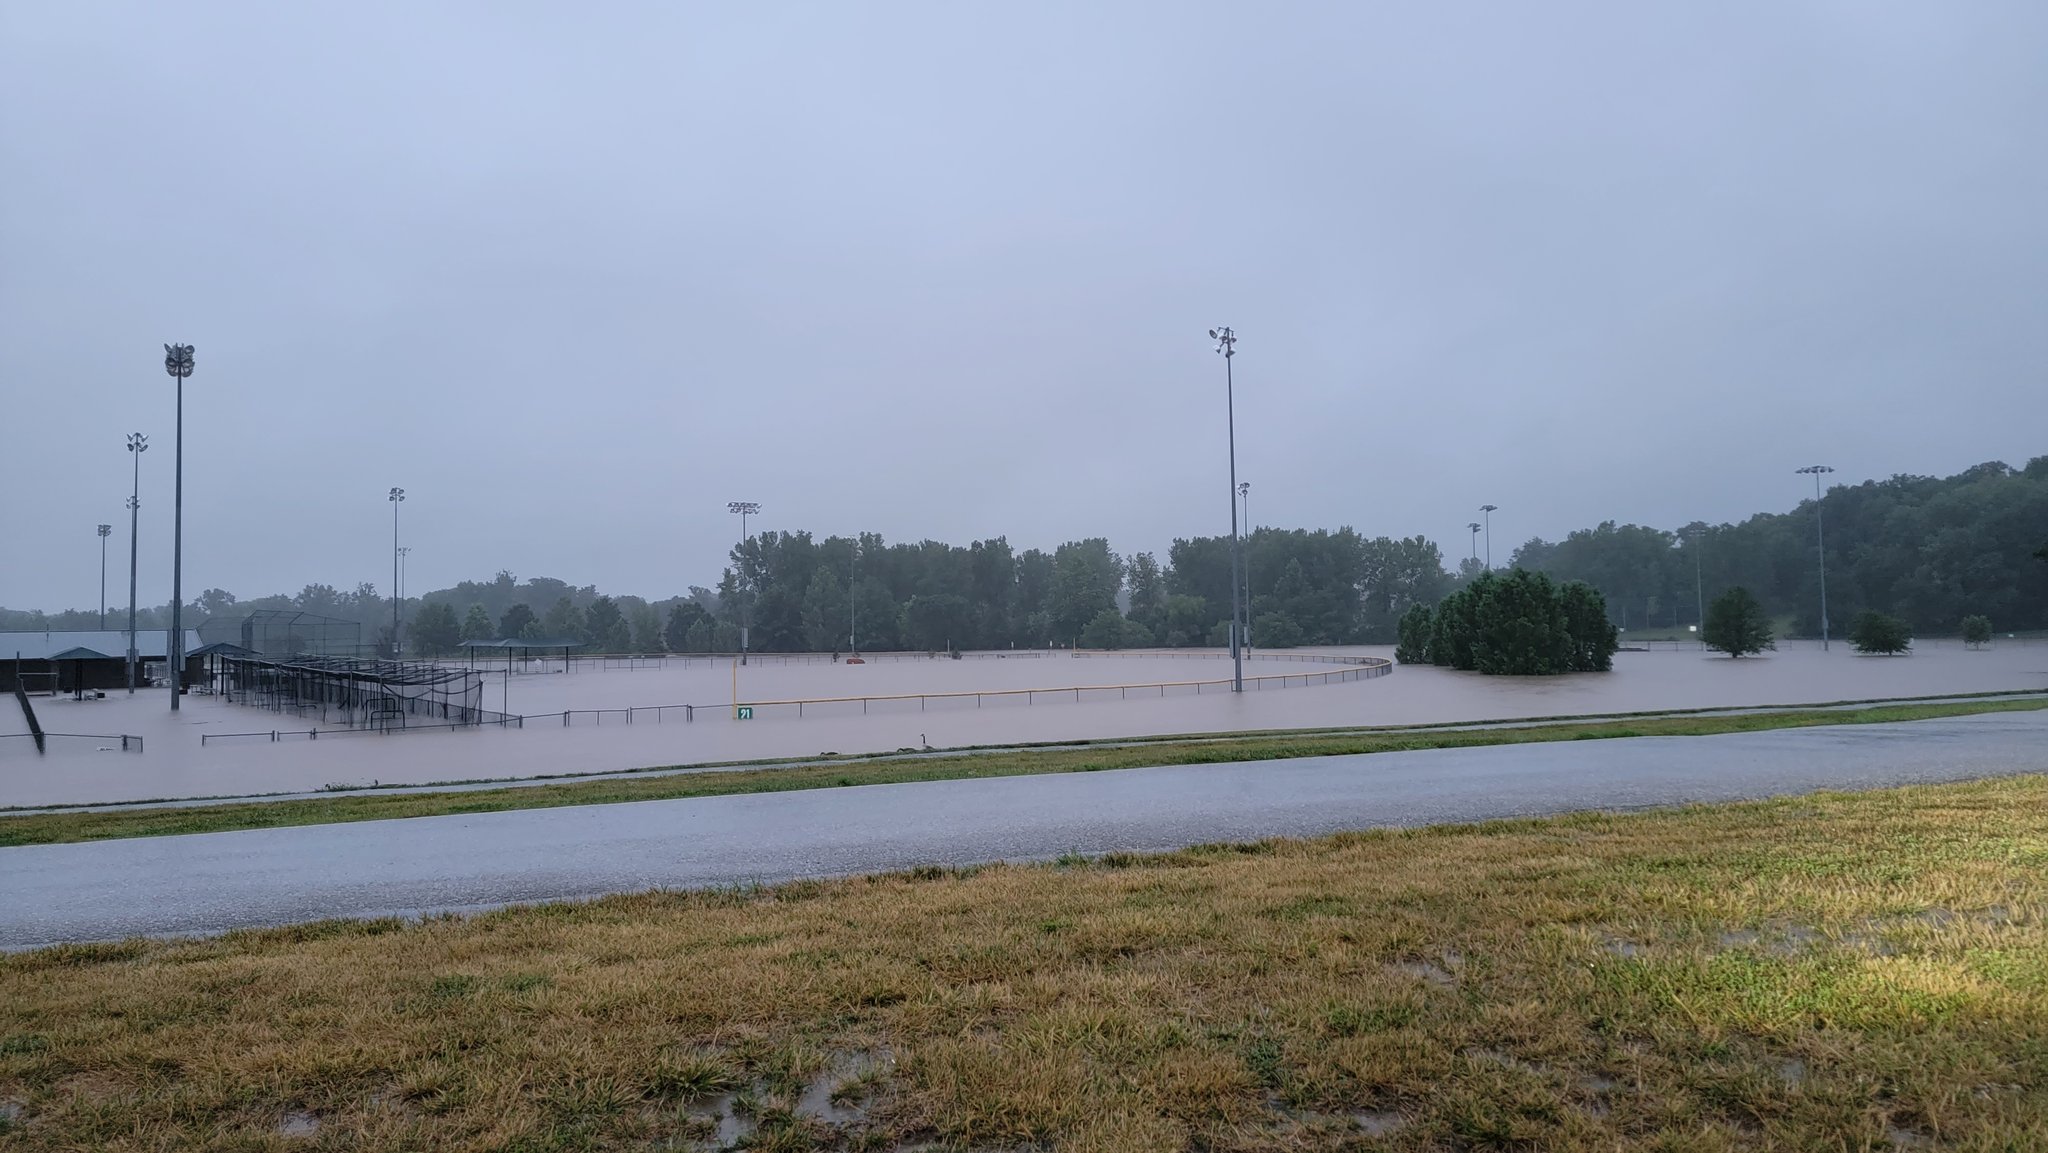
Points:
(33, 828)
(1843, 971)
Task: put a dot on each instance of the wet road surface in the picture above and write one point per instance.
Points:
(218, 881)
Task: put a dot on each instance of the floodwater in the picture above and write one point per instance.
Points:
(177, 765)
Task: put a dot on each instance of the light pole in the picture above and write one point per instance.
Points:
(396, 497)
(745, 509)
(1244, 493)
(104, 530)
(852, 605)
(1226, 344)
(178, 362)
(1820, 544)
(137, 445)
(1488, 509)
(1474, 526)
(404, 554)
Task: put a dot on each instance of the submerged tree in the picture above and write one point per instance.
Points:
(1736, 624)
(1876, 632)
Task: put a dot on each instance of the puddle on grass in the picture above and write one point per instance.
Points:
(298, 1124)
(1374, 1123)
(1792, 1072)
(1371, 1122)
(1906, 1138)
(1443, 973)
(850, 1077)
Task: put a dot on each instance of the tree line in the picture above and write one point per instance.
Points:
(1928, 551)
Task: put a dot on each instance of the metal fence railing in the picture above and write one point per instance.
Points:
(106, 742)
(1351, 669)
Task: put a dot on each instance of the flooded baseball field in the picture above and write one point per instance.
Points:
(889, 705)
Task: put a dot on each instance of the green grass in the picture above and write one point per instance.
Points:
(39, 828)
(1821, 973)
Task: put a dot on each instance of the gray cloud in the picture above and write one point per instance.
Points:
(575, 277)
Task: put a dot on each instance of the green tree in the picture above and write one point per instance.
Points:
(825, 621)
(1147, 584)
(683, 617)
(605, 627)
(563, 622)
(1520, 624)
(1876, 632)
(476, 624)
(1086, 579)
(1277, 630)
(515, 620)
(1737, 625)
(1593, 637)
(1416, 623)
(434, 631)
(1976, 631)
(1110, 629)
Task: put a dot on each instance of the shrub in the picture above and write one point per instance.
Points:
(1876, 632)
(1521, 624)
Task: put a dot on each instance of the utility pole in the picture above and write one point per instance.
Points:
(105, 529)
(396, 497)
(178, 363)
(1820, 544)
(1226, 344)
(745, 509)
(137, 445)
(1488, 509)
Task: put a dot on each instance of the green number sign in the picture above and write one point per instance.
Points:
(746, 712)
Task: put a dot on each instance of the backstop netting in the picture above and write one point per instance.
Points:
(285, 633)
(358, 692)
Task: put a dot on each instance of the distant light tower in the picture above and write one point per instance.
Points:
(137, 445)
(105, 529)
(1474, 526)
(396, 497)
(1488, 509)
(1820, 544)
(1226, 344)
(178, 362)
(745, 509)
(852, 604)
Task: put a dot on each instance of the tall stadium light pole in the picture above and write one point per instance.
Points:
(1226, 344)
(137, 445)
(1820, 544)
(745, 509)
(178, 362)
(396, 497)
(1488, 509)
(1244, 494)
(1474, 526)
(105, 529)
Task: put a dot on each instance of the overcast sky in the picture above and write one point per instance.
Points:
(575, 275)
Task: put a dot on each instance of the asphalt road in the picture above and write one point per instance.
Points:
(219, 881)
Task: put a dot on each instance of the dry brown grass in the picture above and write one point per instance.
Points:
(1827, 973)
